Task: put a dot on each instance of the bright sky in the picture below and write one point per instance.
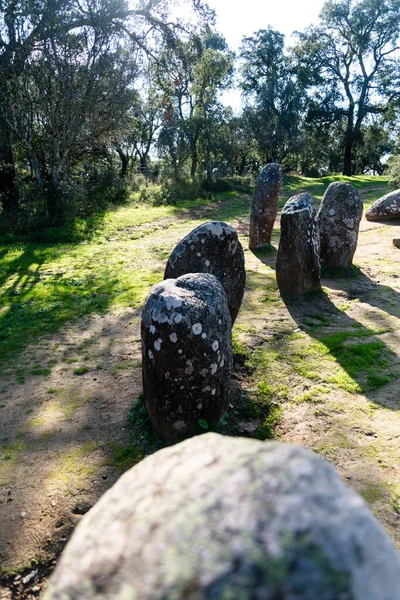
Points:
(236, 18)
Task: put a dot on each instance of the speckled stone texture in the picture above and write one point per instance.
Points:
(386, 208)
(186, 354)
(339, 219)
(264, 206)
(297, 265)
(212, 248)
(228, 518)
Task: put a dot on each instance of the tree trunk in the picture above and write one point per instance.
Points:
(124, 163)
(348, 155)
(8, 188)
(193, 167)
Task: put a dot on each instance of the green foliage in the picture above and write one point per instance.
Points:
(394, 171)
(229, 184)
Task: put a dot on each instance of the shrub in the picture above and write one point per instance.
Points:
(155, 195)
(229, 184)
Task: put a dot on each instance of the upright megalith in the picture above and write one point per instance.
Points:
(297, 265)
(264, 206)
(186, 354)
(339, 219)
(212, 248)
(386, 208)
(220, 517)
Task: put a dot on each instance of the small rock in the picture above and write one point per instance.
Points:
(81, 508)
(29, 577)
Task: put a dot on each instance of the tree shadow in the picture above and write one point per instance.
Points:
(360, 351)
(361, 287)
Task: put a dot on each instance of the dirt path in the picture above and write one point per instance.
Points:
(66, 438)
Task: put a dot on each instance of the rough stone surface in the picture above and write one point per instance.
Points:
(339, 219)
(297, 264)
(264, 206)
(229, 518)
(187, 354)
(212, 248)
(386, 208)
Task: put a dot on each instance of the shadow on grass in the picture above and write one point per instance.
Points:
(368, 363)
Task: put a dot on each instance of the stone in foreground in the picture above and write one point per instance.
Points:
(264, 206)
(386, 208)
(297, 265)
(212, 248)
(217, 517)
(339, 219)
(186, 354)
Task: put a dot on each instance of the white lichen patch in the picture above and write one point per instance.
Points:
(207, 263)
(157, 344)
(177, 318)
(197, 328)
(152, 329)
(190, 368)
(173, 337)
(171, 301)
(215, 345)
(151, 355)
(214, 368)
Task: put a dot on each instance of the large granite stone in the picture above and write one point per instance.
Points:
(264, 206)
(339, 219)
(386, 208)
(186, 354)
(212, 248)
(297, 265)
(228, 518)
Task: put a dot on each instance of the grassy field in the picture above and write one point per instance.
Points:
(110, 261)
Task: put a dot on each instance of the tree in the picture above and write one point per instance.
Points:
(67, 102)
(191, 77)
(351, 57)
(28, 26)
(274, 96)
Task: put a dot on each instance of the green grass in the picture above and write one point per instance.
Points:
(42, 287)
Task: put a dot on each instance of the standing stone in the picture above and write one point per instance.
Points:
(386, 208)
(186, 354)
(297, 264)
(264, 206)
(212, 248)
(228, 518)
(339, 219)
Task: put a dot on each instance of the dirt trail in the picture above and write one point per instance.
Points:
(65, 430)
